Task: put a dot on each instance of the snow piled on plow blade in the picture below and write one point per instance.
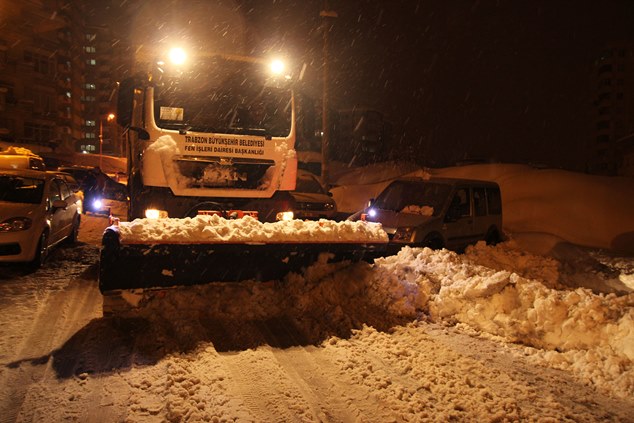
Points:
(163, 253)
(213, 228)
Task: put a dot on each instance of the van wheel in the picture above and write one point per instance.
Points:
(41, 253)
(493, 237)
(433, 242)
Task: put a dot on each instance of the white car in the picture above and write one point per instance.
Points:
(38, 210)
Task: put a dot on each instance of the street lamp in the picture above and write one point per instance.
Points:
(109, 118)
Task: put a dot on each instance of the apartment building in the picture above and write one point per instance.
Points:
(613, 147)
(57, 78)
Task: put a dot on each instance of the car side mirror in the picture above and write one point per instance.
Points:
(142, 133)
(59, 204)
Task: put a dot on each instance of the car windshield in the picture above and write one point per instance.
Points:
(225, 97)
(400, 195)
(308, 184)
(18, 189)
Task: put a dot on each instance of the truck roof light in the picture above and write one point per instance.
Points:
(177, 56)
(277, 67)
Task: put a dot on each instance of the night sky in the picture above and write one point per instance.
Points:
(493, 80)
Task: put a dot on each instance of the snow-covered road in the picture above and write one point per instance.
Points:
(311, 348)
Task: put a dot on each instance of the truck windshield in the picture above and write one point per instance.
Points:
(402, 194)
(223, 96)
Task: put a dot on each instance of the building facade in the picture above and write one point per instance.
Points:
(614, 109)
(57, 78)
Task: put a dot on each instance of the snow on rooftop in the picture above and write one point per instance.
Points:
(17, 151)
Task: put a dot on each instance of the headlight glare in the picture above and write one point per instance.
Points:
(287, 215)
(156, 214)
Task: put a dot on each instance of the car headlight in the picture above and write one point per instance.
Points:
(16, 224)
(287, 215)
(404, 234)
(156, 214)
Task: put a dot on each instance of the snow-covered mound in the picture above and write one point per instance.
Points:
(506, 292)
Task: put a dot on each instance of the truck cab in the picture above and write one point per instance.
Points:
(217, 133)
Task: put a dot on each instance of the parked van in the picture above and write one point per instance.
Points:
(437, 213)
(20, 158)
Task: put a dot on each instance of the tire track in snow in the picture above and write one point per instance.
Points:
(54, 320)
(318, 380)
(251, 372)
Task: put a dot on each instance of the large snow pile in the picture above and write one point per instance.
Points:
(494, 291)
(205, 228)
(519, 303)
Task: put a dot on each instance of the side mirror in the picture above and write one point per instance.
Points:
(59, 204)
(142, 133)
(125, 101)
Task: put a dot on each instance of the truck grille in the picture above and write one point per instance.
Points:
(222, 172)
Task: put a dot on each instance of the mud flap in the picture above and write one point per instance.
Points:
(145, 266)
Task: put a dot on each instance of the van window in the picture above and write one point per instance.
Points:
(479, 201)
(494, 200)
(460, 202)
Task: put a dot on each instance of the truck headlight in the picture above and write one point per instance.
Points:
(156, 214)
(404, 234)
(287, 215)
(15, 224)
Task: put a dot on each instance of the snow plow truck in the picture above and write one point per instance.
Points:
(211, 161)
